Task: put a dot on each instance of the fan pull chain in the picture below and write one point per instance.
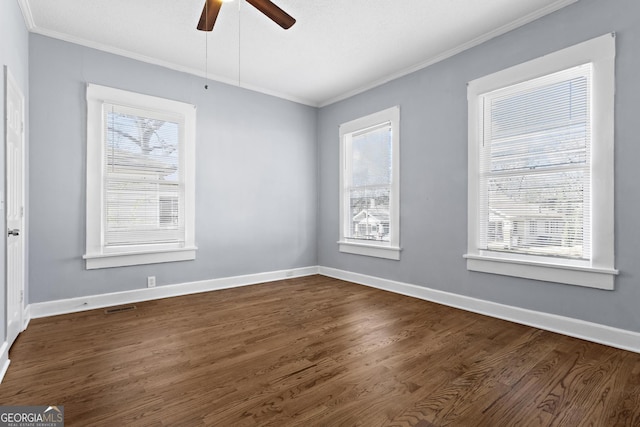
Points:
(239, 39)
(206, 52)
(206, 61)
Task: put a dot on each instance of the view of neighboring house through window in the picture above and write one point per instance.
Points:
(370, 184)
(369, 195)
(535, 166)
(140, 195)
(541, 168)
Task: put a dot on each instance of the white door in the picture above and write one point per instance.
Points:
(14, 180)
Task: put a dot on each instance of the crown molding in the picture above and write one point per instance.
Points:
(454, 51)
(32, 27)
(25, 7)
(165, 64)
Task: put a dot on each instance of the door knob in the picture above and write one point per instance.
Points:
(14, 232)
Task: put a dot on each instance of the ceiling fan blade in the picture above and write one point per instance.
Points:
(209, 15)
(276, 14)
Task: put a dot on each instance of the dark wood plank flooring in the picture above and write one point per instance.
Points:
(315, 351)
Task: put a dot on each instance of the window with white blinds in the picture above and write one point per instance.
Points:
(535, 166)
(369, 185)
(540, 202)
(140, 179)
(144, 183)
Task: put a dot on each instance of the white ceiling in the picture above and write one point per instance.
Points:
(337, 47)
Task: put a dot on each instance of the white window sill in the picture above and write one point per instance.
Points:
(368, 249)
(591, 277)
(122, 259)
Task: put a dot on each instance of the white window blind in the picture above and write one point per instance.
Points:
(143, 181)
(535, 166)
(369, 183)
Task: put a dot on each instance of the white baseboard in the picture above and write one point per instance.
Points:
(72, 305)
(614, 337)
(26, 317)
(4, 359)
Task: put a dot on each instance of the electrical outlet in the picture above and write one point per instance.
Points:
(151, 282)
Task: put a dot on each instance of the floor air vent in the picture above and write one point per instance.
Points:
(113, 310)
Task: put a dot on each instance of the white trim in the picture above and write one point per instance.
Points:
(25, 8)
(166, 64)
(600, 273)
(390, 249)
(600, 278)
(602, 334)
(4, 360)
(453, 51)
(105, 260)
(32, 27)
(26, 317)
(377, 251)
(96, 256)
(73, 305)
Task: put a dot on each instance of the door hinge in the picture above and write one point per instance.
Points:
(21, 296)
(21, 211)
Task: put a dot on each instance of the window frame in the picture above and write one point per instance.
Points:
(379, 249)
(97, 255)
(599, 271)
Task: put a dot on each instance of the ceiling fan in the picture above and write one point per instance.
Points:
(273, 12)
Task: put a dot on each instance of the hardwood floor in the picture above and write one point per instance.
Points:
(315, 351)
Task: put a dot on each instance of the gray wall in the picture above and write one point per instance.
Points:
(433, 147)
(14, 53)
(256, 175)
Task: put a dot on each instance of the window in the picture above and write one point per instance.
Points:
(369, 192)
(541, 168)
(140, 179)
